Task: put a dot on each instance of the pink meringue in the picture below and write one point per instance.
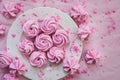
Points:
(55, 55)
(11, 9)
(78, 14)
(60, 38)
(26, 47)
(37, 59)
(5, 59)
(17, 67)
(10, 77)
(31, 28)
(71, 65)
(43, 42)
(49, 25)
(83, 32)
(2, 29)
(92, 56)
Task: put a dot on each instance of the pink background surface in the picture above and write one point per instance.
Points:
(104, 20)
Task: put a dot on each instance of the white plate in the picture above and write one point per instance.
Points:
(53, 72)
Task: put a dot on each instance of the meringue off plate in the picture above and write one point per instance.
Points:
(53, 72)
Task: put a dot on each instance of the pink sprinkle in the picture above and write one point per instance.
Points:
(13, 35)
(41, 74)
(35, 1)
(65, 1)
(100, 65)
(23, 15)
(103, 45)
(84, 70)
(94, 11)
(44, 1)
(35, 14)
(110, 29)
(76, 49)
(92, 29)
(110, 12)
(57, 74)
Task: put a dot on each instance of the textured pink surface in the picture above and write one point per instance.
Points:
(104, 21)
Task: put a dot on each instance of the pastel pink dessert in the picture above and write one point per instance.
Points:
(60, 38)
(83, 32)
(31, 28)
(38, 59)
(78, 14)
(71, 65)
(5, 59)
(11, 10)
(26, 47)
(10, 77)
(92, 56)
(2, 29)
(43, 42)
(17, 67)
(49, 25)
(55, 55)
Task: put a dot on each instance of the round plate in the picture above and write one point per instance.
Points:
(51, 72)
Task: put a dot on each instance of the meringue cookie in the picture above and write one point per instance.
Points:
(17, 67)
(2, 29)
(71, 65)
(83, 32)
(37, 59)
(31, 28)
(26, 47)
(92, 56)
(11, 10)
(5, 59)
(43, 42)
(49, 25)
(55, 55)
(60, 38)
(10, 77)
(78, 14)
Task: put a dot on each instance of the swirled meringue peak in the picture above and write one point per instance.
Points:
(49, 24)
(78, 14)
(31, 28)
(10, 77)
(71, 65)
(11, 9)
(26, 47)
(83, 32)
(55, 55)
(5, 59)
(92, 56)
(38, 59)
(17, 67)
(43, 42)
(60, 38)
